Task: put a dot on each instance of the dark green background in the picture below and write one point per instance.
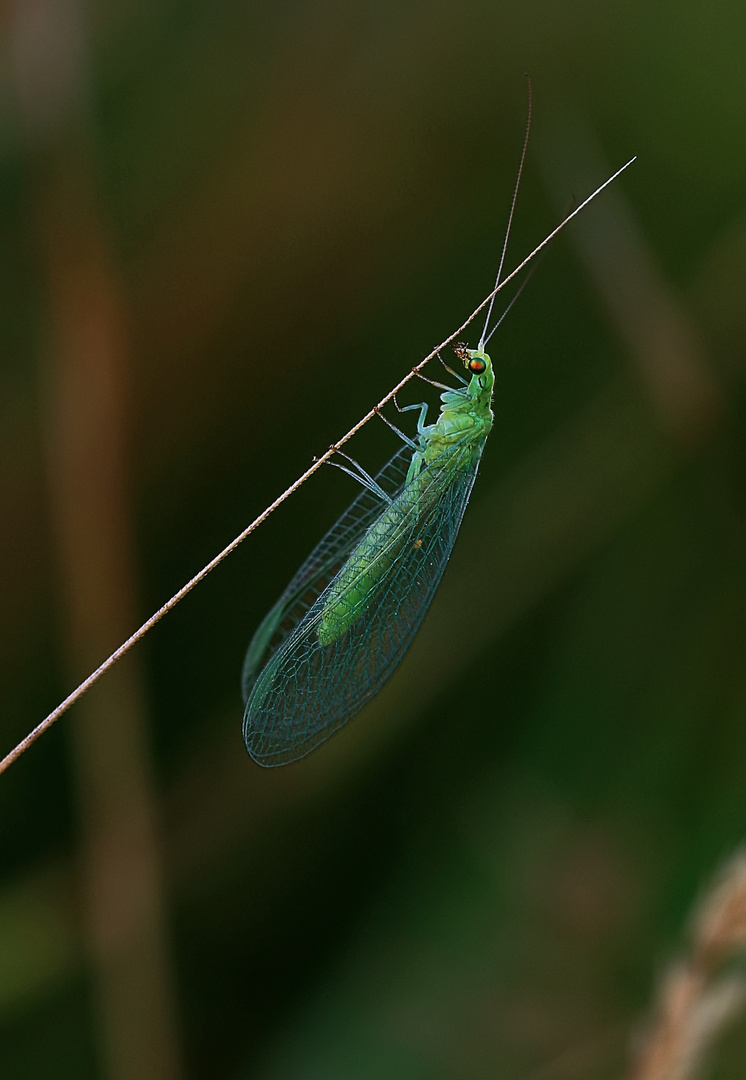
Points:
(485, 874)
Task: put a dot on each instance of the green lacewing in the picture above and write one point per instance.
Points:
(344, 622)
(348, 616)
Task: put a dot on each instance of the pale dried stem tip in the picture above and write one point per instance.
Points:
(695, 1002)
(719, 928)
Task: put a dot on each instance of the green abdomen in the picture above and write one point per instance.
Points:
(369, 564)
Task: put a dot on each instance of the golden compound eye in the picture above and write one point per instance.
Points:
(476, 365)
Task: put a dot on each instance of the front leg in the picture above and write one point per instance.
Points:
(422, 427)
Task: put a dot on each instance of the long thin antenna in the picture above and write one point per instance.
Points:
(513, 299)
(483, 339)
(47, 722)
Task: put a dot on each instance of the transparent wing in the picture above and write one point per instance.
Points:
(320, 567)
(307, 690)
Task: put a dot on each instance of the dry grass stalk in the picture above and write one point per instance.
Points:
(696, 999)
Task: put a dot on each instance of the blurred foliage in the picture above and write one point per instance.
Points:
(288, 205)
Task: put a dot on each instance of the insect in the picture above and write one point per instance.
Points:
(344, 622)
(347, 617)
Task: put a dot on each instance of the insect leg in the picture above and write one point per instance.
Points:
(440, 385)
(364, 478)
(422, 427)
(460, 378)
(404, 438)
